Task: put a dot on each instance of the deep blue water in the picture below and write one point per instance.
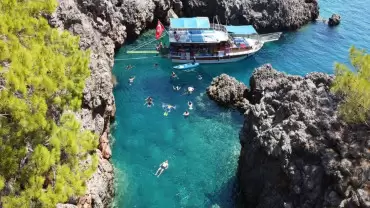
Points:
(203, 149)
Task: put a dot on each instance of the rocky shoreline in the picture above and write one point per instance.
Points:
(103, 27)
(265, 16)
(295, 150)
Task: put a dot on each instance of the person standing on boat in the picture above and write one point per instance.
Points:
(194, 60)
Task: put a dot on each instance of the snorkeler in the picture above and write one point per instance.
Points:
(131, 80)
(170, 107)
(167, 108)
(190, 105)
(200, 77)
(155, 65)
(176, 88)
(186, 114)
(163, 166)
(149, 102)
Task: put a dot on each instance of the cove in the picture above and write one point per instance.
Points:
(203, 149)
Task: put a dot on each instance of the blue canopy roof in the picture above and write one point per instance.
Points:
(190, 23)
(241, 30)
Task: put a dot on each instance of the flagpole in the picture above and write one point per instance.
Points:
(164, 27)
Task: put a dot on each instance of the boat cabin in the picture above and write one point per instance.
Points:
(197, 37)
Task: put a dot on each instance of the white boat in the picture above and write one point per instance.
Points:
(211, 43)
(186, 66)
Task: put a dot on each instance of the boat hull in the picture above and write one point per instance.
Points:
(214, 60)
(186, 66)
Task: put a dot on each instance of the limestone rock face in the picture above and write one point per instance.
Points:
(266, 16)
(334, 20)
(296, 151)
(100, 187)
(66, 206)
(227, 91)
(103, 26)
(104, 146)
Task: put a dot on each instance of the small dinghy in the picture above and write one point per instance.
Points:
(186, 66)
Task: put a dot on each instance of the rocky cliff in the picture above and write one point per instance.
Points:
(103, 26)
(265, 15)
(296, 151)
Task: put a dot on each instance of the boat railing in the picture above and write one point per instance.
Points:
(219, 27)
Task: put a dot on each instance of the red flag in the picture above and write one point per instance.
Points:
(159, 30)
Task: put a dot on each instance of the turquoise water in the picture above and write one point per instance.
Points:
(203, 149)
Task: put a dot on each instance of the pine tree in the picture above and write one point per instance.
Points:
(354, 87)
(44, 72)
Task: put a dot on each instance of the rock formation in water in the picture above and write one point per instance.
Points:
(334, 20)
(226, 90)
(266, 16)
(296, 152)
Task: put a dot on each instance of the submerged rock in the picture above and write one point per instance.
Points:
(266, 16)
(334, 20)
(296, 151)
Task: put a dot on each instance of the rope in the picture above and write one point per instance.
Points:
(135, 58)
(145, 43)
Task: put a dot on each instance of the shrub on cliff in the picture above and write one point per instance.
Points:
(42, 75)
(354, 86)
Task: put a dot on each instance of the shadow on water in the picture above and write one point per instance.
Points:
(225, 196)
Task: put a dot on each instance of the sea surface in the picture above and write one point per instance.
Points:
(203, 149)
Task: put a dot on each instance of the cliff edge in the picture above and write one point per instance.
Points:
(295, 150)
(266, 16)
(103, 26)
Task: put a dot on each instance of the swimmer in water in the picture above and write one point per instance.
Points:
(190, 105)
(149, 102)
(190, 90)
(176, 88)
(174, 76)
(131, 80)
(168, 107)
(128, 67)
(186, 114)
(155, 65)
(163, 166)
(200, 77)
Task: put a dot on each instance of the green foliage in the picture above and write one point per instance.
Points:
(2, 182)
(354, 86)
(44, 73)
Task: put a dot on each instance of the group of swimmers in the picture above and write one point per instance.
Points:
(149, 102)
